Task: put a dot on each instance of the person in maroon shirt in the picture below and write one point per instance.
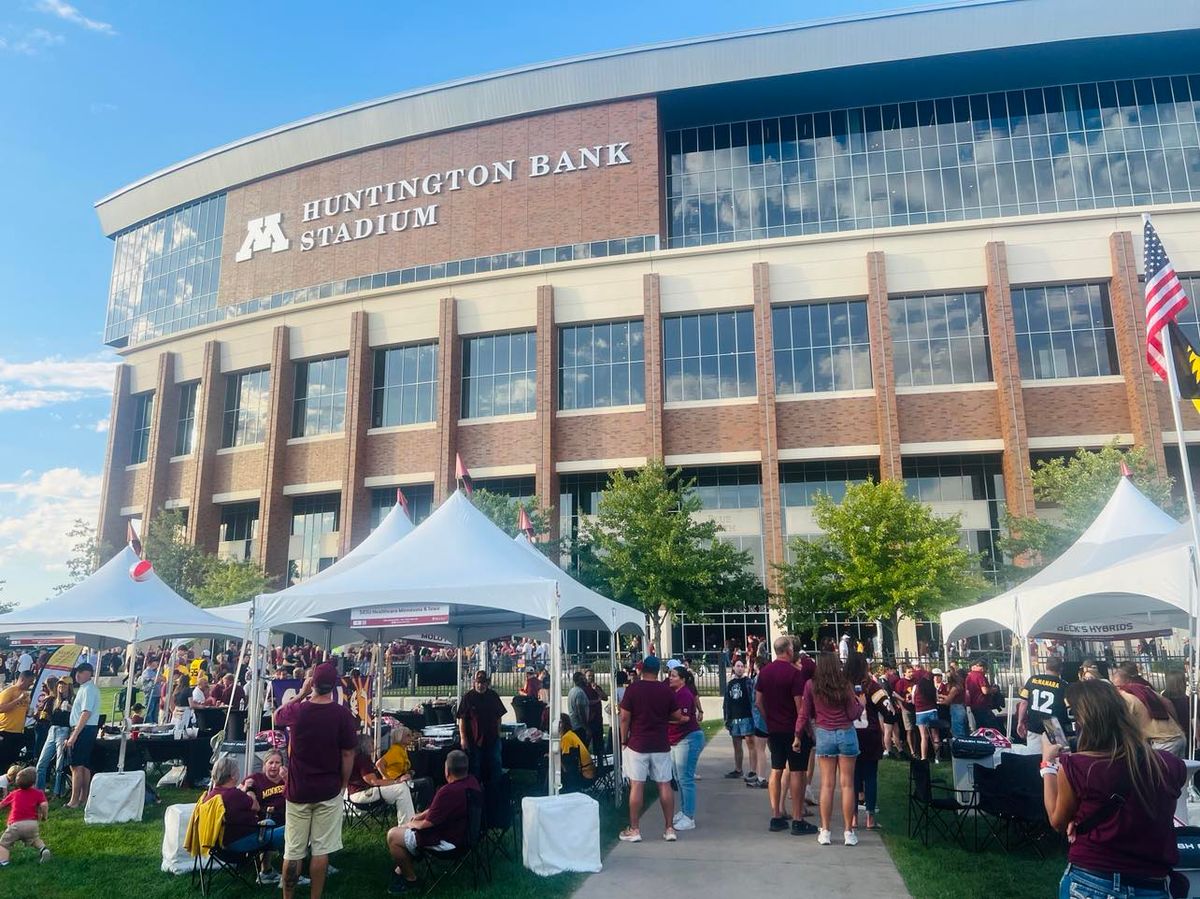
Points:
(648, 707)
(1117, 796)
(479, 716)
(267, 788)
(978, 695)
(443, 825)
(903, 691)
(242, 830)
(777, 694)
(322, 740)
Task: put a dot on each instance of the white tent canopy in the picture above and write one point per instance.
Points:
(1131, 566)
(460, 559)
(110, 607)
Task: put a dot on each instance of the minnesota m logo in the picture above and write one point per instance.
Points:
(262, 234)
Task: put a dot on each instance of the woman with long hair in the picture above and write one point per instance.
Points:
(831, 705)
(1116, 795)
(58, 708)
(687, 740)
(924, 694)
(869, 727)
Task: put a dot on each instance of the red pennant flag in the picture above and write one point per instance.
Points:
(524, 523)
(402, 502)
(1126, 471)
(462, 475)
(132, 536)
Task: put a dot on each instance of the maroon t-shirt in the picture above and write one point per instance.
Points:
(924, 694)
(1132, 841)
(780, 682)
(269, 794)
(447, 814)
(686, 701)
(240, 818)
(318, 732)
(649, 704)
(976, 681)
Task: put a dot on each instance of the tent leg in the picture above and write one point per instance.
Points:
(253, 715)
(130, 652)
(378, 691)
(555, 760)
(614, 716)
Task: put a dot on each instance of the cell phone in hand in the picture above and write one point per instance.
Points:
(1054, 730)
(858, 688)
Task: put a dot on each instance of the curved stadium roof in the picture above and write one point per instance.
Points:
(922, 52)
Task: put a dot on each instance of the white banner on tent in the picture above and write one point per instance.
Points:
(399, 615)
(41, 639)
(1104, 630)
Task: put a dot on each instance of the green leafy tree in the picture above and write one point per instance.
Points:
(1077, 488)
(883, 554)
(86, 554)
(182, 566)
(230, 581)
(505, 513)
(648, 547)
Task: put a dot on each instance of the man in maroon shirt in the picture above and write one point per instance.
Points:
(979, 700)
(322, 739)
(647, 707)
(778, 693)
(444, 824)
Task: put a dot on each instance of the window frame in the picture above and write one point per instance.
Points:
(478, 368)
(601, 372)
(330, 407)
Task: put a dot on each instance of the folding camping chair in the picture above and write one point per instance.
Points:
(472, 855)
(210, 857)
(500, 817)
(365, 814)
(933, 805)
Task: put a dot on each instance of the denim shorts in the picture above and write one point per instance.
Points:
(741, 727)
(1080, 883)
(842, 742)
(928, 718)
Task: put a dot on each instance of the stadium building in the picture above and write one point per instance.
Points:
(903, 245)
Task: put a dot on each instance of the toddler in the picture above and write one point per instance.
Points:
(26, 807)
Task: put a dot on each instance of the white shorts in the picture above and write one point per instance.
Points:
(643, 766)
(410, 843)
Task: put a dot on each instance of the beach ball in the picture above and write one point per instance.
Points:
(140, 571)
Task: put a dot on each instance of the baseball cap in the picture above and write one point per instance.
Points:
(674, 663)
(86, 666)
(325, 675)
(937, 671)
(650, 663)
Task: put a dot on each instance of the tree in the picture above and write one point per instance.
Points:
(883, 554)
(1078, 487)
(647, 547)
(230, 581)
(200, 577)
(86, 553)
(505, 512)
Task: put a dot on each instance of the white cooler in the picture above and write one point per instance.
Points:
(175, 858)
(561, 833)
(115, 797)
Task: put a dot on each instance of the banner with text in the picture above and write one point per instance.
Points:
(399, 615)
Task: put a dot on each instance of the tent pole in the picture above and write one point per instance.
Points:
(555, 761)
(130, 652)
(458, 671)
(253, 716)
(378, 691)
(1018, 635)
(614, 714)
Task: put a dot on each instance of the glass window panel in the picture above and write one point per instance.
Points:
(408, 372)
(937, 344)
(806, 359)
(706, 359)
(1066, 333)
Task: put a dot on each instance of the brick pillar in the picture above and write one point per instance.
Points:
(1129, 328)
(162, 436)
(652, 349)
(449, 398)
(203, 516)
(545, 476)
(1006, 371)
(764, 343)
(356, 501)
(882, 368)
(110, 526)
(274, 511)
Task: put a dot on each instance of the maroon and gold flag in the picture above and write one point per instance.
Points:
(525, 524)
(462, 475)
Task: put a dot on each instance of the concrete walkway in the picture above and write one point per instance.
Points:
(731, 852)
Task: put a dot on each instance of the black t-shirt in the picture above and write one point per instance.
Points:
(482, 712)
(1044, 694)
(739, 697)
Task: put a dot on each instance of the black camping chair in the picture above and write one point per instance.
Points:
(372, 812)
(447, 863)
(1011, 803)
(500, 817)
(933, 806)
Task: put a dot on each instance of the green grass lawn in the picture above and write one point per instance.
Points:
(944, 871)
(125, 858)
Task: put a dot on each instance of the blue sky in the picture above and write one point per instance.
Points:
(98, 93)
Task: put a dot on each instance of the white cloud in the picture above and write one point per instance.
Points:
(68, 13)
(100, 108)
(53, 381)
(29, 43)
(100, 426)
(36, 514)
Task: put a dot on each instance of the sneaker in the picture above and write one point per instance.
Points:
(683, 822)
(330, 870)
(677, 817)
(762, 784)
(803, 827)
(267, 878)
(777, 825)
(823, 838)
(751, 780)
(44, 855)
(628, 835)
(669, 835)
(733, 775)
(400, 884)
(851, 838)
(302, 881)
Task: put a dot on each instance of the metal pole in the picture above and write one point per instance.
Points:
(555, 761)
(378, 691)
(458, 669)
(125, 723)
(253, 716)
(614, 713)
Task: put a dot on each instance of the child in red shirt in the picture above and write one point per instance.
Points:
(26, 807)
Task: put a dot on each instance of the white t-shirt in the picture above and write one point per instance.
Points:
(25, 662)
(86, 700)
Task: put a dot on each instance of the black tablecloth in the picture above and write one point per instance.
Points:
(430, 763)
(524, 755)
(194, 754)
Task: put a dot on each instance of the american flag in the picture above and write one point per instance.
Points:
(1164, 298)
